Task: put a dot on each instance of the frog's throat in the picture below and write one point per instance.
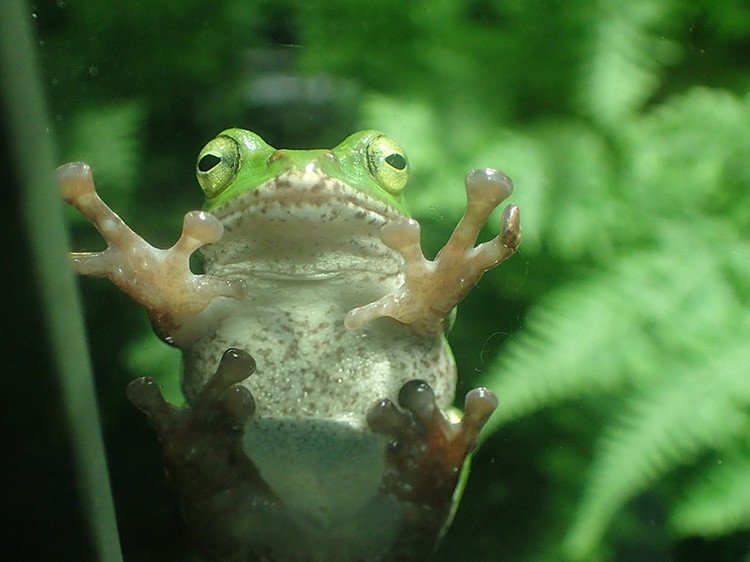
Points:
(303, 226)
(299, 188)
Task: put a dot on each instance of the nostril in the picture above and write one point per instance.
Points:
(306, 161)
(278, 156)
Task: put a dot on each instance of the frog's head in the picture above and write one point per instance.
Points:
(307, 211)
(238, 168)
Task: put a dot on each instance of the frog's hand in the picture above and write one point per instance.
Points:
(425, 455)
(433, 288)
(158, 279)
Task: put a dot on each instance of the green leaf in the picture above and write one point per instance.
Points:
(522, 157)
(689, 156)
(718, 501)
(108, 139)
(626, 51)
(584, 208)
(622, 325)
(701, 406)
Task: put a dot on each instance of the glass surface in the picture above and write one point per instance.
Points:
(616, 339)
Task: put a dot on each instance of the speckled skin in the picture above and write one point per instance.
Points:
(309, 249)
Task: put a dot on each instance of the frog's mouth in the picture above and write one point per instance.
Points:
(304, 223)
(287, 195)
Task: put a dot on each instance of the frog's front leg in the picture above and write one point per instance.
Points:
(424, 458)
(158, 279)
(433, 288)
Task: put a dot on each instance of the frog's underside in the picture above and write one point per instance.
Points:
(273, 488)
(337, 447)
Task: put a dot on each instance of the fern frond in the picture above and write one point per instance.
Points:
(563, 171)
(689, 155)
(627, 50)
(570, 346)
(524, 159)
(622, 325)
(700, 407)
(718, 503)
(583, 210)
(108, 139)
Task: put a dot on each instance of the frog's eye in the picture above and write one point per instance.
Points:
(387, 163)
(217, 165)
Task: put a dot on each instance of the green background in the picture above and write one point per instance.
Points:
(617, 339)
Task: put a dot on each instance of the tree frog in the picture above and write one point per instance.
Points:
(318, 379)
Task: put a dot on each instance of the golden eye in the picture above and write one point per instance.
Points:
(217, 165)
(387, 163)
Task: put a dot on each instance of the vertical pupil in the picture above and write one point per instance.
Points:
(208, 162)
(396, 160)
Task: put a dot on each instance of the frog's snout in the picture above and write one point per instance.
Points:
(306, 160)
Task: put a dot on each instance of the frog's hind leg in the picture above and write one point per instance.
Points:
(225, 501)
(424, 459)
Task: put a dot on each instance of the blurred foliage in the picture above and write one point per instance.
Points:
(617, 339)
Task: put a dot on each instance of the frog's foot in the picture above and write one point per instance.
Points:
(424, 458)
(426, 449)
(433, 288)
(158, 279)
(215, 481)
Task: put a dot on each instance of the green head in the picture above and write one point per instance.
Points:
(238, 161)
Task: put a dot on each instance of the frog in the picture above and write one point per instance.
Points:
(319, 383)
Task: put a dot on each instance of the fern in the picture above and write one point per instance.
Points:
(673, 421)
(657, 321)
(582, 188)
(627, 49)
(718, 502)
(523, 158)
(108, 139)
(568, 348)
(615, 327)
(689, 156)
(660, 332)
